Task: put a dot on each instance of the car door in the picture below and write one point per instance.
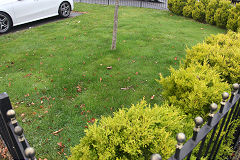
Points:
(24, 11)
(47, 8)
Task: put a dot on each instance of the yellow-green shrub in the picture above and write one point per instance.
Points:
(222, 13)
(221, 51)
(170, 4)
(193, 88)
(234, 18)
(198, 12)
(176, 6)
(210, 11)
(238, 25)
(133, 133)
(187, 10)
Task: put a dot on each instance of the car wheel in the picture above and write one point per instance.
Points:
(64, 10)
(5, 22)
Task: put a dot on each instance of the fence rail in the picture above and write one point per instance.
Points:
(12, 133)
(217, 123)
(154, 4)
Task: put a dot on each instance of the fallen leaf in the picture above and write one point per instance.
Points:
(79, 89)
(152, 96)
(110, 67)
(93, 120)
(124, 88)
(82, 105)
(56, 132)
(27, 75)
(136, 73)
(100, 79)
(175, 58)
(60, 145)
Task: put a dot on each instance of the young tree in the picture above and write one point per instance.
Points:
(115, 25)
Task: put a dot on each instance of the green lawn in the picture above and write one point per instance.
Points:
(42, 67)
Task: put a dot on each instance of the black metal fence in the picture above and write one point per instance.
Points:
(12, 133)
(217, 124)
(154, 4)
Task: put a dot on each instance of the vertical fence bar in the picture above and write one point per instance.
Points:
(198, 122)
(235, 109)
(217, 138)
(213, 108)
(234, 92)
(141, 3)
(199, 155)
(225, 96)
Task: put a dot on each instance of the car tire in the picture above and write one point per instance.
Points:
(5, 22)
(64, 10)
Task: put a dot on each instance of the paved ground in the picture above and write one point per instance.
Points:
(40, 22)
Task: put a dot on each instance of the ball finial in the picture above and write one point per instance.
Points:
(198, 121)
(11, 113)
(18, 130)
(156, 157)
(30, 152)
(213, 107)
(181, 137)
(235, 87)
(225, 96)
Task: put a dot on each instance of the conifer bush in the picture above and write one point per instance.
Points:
(210, 11)
(221, 51)
(198, 12)
(222, 13)
(134, 133)
(187, 10)
(176, 6)
(170, 4)
(193, 88)
(234, 18)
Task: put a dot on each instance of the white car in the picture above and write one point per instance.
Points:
(16, 12)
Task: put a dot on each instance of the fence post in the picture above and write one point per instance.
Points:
(12, 133)
(213, 107)
(198, 122)
(141, 3)
(180, 139)
(156, 157)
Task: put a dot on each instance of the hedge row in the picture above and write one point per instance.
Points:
(207, 71)
(219, 12)
(134, 133)
(142, 130)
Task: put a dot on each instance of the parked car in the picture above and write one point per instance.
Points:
(16, 12)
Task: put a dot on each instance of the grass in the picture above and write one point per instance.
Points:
(56, 74)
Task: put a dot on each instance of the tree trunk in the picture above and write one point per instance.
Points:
(115, 25)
